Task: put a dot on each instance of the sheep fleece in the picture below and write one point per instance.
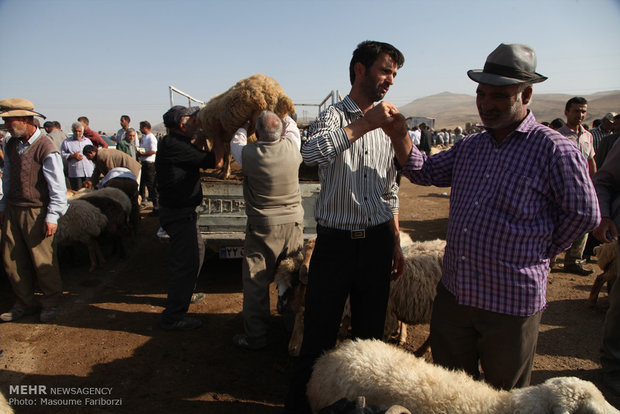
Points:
(387, 375)
(226, 112)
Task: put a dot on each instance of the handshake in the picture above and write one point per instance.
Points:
(386, 116)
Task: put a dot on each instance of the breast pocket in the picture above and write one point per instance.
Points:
(519, 196)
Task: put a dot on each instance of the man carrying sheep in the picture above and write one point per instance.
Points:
(357, 247)
(33, 200)
(520, 195)
(177, 166)
(275, 216)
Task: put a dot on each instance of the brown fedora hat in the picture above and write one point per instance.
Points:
(13, 107)
(508, 64)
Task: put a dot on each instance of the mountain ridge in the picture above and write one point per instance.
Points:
(452, 109)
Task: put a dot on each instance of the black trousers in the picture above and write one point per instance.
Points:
(186, 253)
(342, 266)
(148, 181)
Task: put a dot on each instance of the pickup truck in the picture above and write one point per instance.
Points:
(221, 215)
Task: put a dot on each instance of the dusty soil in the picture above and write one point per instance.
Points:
(106, 338)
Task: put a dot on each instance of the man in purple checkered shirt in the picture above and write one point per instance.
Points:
(520, 195)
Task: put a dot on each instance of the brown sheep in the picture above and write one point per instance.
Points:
(608, 262)
(228, 111)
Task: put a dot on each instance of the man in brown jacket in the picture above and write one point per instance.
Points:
(106, 159)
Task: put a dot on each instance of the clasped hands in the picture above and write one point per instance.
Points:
(385, 116)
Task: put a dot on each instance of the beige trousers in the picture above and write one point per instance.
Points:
(30, 257)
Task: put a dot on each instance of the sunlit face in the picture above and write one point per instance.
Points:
(500, 106)
(17, 126)
(379, 77)
(78, 133)
(124, 123)
(576, 114)
(131, 136)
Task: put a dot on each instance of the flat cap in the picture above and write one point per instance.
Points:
(172, 118)
(13, 107)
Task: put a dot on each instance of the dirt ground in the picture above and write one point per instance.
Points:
(106, 350)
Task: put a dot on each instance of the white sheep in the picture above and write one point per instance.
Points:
(5, 408)
(82, 223)
(387, 375)
(411, 296)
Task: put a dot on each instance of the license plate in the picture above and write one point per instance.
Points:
(231, 252)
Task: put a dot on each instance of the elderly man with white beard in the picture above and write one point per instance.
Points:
(33, 200)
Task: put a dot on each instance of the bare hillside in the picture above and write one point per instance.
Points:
(450, 109)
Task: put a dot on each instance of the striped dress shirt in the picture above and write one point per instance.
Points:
(358, 187)
(513, 206)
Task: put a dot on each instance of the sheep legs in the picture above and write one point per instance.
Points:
(95, 255)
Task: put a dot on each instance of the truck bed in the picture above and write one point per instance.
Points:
(221, 215)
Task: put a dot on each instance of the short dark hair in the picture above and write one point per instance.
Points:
(596, 123)
(83, 118)
(576, 100)
(145, 124)
(88, 149)
(556, 123)
(368, 51)
(49, 124)
(57, 124)
(126, 117)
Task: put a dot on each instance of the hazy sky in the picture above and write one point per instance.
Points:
(104, 58)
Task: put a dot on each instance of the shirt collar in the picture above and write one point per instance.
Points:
(351, 106)
(524, 127)
(34, 137)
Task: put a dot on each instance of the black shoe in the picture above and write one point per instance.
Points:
(184, 324)
(577, 268)
(246, 342)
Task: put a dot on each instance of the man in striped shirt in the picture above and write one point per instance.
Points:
(520, 195)
(357, 248)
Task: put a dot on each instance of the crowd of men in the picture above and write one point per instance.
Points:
(521, 193)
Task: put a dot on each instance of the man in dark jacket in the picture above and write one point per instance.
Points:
(178, 167)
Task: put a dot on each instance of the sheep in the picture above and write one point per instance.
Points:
(608, 262)
(116, 206)
(411, 296)
(5, 408)
(226, 112)
(385, 375)
(73, 194)
(83, 223)
(359, 406)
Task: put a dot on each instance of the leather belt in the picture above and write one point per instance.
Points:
(351, 234)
